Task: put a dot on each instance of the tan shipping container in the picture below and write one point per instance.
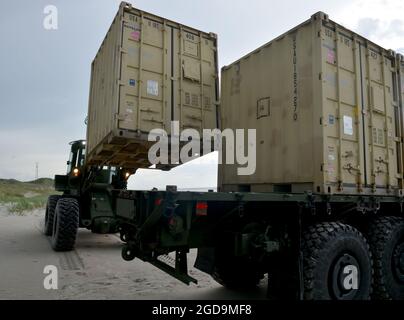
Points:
(327, 107)
(148, 72)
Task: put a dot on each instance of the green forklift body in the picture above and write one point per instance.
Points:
(62, 183)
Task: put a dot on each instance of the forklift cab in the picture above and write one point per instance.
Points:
(70, 182)
(77, 157)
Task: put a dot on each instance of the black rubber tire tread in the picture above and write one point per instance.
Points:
(318, 246)
(50, 214)
(382, 233)
(66, 224)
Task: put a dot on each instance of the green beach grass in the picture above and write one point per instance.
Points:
(21, 197)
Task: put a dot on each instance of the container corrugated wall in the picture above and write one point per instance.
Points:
(148, 72)
(326, 107)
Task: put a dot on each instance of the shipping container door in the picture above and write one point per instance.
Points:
(398, 102)
(144, 85)
(195, 80)
(380, 130)
(341, 77)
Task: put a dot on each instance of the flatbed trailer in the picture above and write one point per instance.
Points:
(311, 246)
(241, 236)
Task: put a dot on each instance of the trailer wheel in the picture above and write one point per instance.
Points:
(65, 224)
(386, 237)
(50, 214)
(337, 263)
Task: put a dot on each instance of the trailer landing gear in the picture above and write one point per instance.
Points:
(128, 253)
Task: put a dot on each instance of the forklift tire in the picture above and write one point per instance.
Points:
(50, 214)
(337, 263)
(65, 224)
(386, 238)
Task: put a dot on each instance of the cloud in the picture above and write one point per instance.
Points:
(368, 27)
(376, 28)
(381, 21)
(395, 29)
(199, 173)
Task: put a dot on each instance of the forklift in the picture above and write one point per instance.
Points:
(85, 200)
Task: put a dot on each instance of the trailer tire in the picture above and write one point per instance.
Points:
(337, 263)
(50, 214)
(65, 224)
(386, 238)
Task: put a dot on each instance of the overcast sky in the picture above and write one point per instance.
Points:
(44, 74)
